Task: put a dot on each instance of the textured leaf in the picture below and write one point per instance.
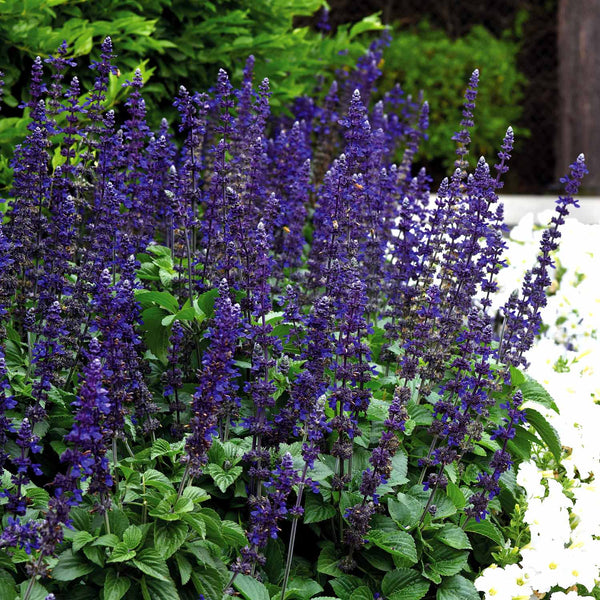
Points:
(132, 536)
(80, 539)
(233, 534)
(404, 584)
(157, 589)
(38, 592)
(121, 553)
(447, 561)
(184, 566)
(250, 588)
(169, 537)
(160, 447)
(223, 479)
(453, 536)
(362, 593)
(535, 392)
(486, 529)
(151, 563)
(548, 434)
(406, 510)
(115, 587)
(344, 585)
(457, 587)
(71, 566)
(147, 298)
(315, 510)
(8, 587)
(208, 581)
(398, 543)
(328, 561)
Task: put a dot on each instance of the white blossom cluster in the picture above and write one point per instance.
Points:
(562, 507)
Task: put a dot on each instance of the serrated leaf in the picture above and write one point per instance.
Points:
(169, 537)
(118, 521)
(109, 540)
(132, 536)
(157, 480)
(362, 593)
(80, 539)
(160, 447)
(486, 529)
(457, 587)
(195, 494)
(37, 592)
(447, 561)
(396, 543)
(328, 561)
(184, 566)
(344, 585)
(164, 299)
(208, 581)
(250, 588)
(546, 431)
(157, 589)
(121, 553)
(315, 510)
(71, 566)
(223, 479)
(115, 587)
(453, 536)
(8, 587)
(455, 494)
(534, 391)
(196, 522)
(233, 534)
(406, 510)
(404, 584)
(151, 563)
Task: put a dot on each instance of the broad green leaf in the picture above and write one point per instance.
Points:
(535, 392)
(404, 584)
(397, 543)
(250, 588)
(118, 521)
(233, 534)
(486, 529)
(169, 537)
(328, 561)
(115, 587)
(344, 585)
(8, 587)
(455, 494)
(109, 540)
(148, 297)
(158, 480)
(157, 589)
(38, 591)
(71, 566)
(447, 561)
(208, 581)
(315, 510)
(406, 510)
(80, 539)
(453, 536)
(444, 506)
(457, 587)
(223, 479)
(132, 536)
(362, 593)
(160, 447)
(156, 335)
(150, 562)
(184, 566)
(196, 522)
(121, 553)
(546, 431)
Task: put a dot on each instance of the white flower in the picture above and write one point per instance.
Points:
(509, 583)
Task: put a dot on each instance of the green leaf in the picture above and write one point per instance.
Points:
(301, 588)
(132, 536)
(206, 301)
(147, 298)
(118, 521)
(486, 529)
(453, 536)
(8, 587)
(328, 561)
(151, 563)
(115, 587)
(404, 584)
(109, 540)
(457, 587)
(223, 479)
(455, 494)
(169, 537)
(196, 522)
(548, 434)
(208, 581)
(362, 593)
(233, 534)
(344, 586)
(157, 589)
(38, 591)
(315, 510)
(158, 480)
(160, 447)
(80, 539)
(121, 553)
(370, 23)
(406, 510)
(534, 391)
(71, 566)
(396, 543)
(156, 335)
(184, 566)
(250, 588)
(447, 561)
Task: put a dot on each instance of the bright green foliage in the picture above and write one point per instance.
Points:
(426, 59)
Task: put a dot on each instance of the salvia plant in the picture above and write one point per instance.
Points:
(249, 356)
